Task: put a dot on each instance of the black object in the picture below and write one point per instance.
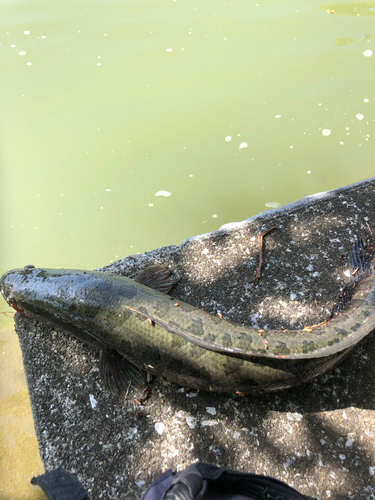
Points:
(201, 481)
(59, 484)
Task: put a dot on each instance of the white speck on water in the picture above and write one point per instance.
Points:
(108, 190)
(272, 204)
(140, 483)
(228, 138)
(349, 442)
(371, 471)
(209, 423)
(98, 64)
(12, 46)
(22, 53)
(159, 427)
(367, 53)
(359, 116)
(326, 132)
(150, 204)
(342, 457)
(29, 64)
(293, 296)
(26, 32)
(341, 143)
(236, 435)
(211, 410)
(214, 216)
(364, 100)
(277, 116)
(310, 267)
(291, 147)
(163, 193)
(169, 50)
(191, 421)
(308, 172)
(243, 145)
(93, 401)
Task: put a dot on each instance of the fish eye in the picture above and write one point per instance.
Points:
(11, 300)
(28, 267)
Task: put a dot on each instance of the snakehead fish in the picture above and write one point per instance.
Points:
(139, 329)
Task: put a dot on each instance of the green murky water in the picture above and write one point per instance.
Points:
(130, 125)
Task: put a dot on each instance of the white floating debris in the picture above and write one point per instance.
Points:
(366, 100)
(367, 53)
(98, 64)
(228, 138)
(169, 50)
(191, 421)
(93, 401)
(277, 116)
(163, 193)
(159, 427)
(108, 190)
(272, 204)
(26, 32)
(359, 116)
(243, 145)
(214, 216)
(22, 53)
(150, 204)
(308, 172)
(29, 64)
(326, 131)
(211, 410)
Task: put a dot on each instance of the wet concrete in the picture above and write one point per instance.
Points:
(318, 437)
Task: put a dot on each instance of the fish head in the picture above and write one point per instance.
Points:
(12, 286)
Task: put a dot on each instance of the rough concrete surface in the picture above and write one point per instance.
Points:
(318, 437)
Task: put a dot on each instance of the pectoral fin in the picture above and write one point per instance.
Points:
(120, 377)
(157, 277)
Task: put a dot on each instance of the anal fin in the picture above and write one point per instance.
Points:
(122, 378)
(157, 277)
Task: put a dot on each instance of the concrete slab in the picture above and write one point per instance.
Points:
(318, 437)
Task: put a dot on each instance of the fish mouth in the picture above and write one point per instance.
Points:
(10, 299)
